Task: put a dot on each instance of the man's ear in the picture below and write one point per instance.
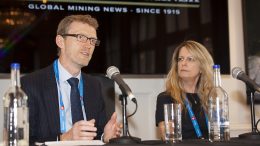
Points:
(59, 41)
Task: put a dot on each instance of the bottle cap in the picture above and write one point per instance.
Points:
(216, 66)
(15, 65)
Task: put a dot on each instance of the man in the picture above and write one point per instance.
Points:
(54, 113)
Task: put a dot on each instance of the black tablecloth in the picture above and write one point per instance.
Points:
(232, 142)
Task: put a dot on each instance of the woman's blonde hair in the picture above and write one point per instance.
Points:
(205, 83)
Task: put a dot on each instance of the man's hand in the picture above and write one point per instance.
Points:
(81, 130)
(112, 129)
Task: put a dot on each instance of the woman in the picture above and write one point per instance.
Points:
(188, 83)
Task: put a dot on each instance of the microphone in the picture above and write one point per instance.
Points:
(240, 75)
(114, 74)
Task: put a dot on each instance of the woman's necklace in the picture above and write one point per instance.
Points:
(193, 98)
(195, 101)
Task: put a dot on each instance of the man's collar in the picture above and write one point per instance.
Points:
(64, 74)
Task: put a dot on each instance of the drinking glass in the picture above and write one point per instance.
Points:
(172, 121)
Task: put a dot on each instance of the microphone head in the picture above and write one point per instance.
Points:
(112, 70)
(236, 71)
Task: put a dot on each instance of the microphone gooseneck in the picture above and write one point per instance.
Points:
(114, 74)
(239, 74)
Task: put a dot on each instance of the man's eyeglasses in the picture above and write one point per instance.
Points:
(188, 59)
(82, 38)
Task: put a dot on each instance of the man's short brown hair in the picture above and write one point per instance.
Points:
(65, 22)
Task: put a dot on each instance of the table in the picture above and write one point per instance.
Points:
(232, 142)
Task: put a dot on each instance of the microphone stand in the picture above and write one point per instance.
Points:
(254, 135)
(124, 139)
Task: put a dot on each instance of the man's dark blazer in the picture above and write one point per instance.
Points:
(41, 89)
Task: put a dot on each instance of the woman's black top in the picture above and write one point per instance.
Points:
(188, 131)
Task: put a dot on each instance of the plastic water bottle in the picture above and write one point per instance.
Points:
(16, 114)
(218, 113)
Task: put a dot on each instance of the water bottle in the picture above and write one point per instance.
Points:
(218, 115)
(16, 114)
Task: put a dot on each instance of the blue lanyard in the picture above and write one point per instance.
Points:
(194, 120)
(61, 104)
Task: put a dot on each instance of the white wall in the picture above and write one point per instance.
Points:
(4, 85)
(142, 124)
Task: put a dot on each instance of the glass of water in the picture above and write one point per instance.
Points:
(172, 121)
